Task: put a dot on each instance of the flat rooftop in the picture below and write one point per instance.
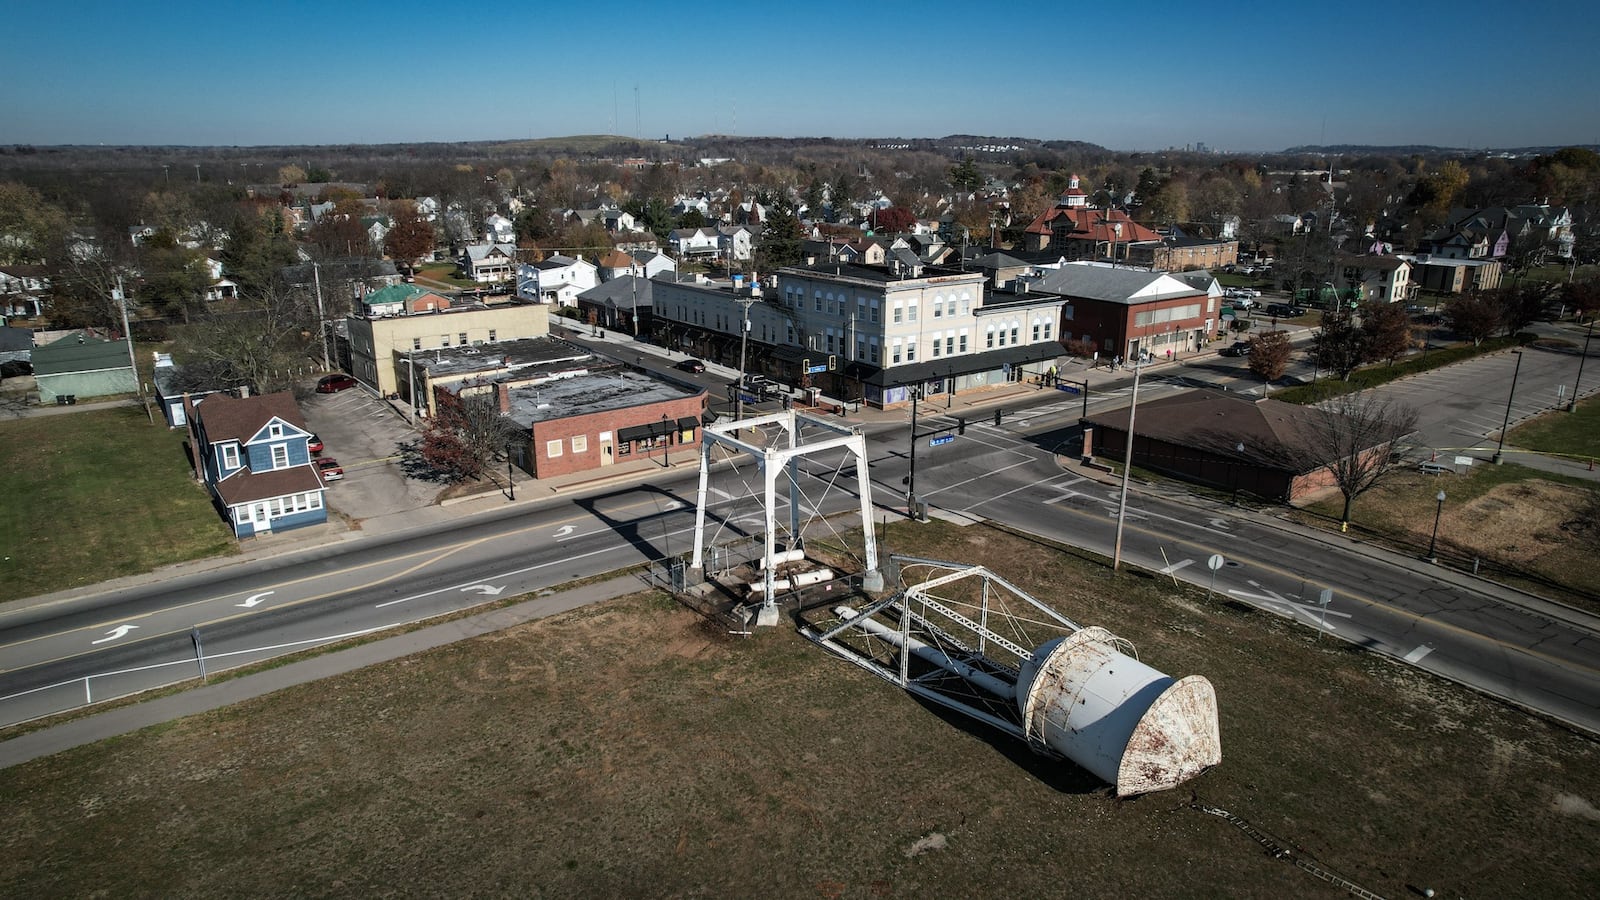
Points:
(591, 393)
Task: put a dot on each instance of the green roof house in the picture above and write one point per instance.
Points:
(82, 365)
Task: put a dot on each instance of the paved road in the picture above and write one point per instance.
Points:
(1439, 621)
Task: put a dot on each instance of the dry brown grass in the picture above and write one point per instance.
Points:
(630, 749)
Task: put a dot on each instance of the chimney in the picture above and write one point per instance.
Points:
(503, 394)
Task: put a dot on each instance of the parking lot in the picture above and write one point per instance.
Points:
(364, 434)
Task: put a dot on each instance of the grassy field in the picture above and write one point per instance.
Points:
(447, 273)
(1512, 518)
(1575, 434)
(631, 750)
(96, 495)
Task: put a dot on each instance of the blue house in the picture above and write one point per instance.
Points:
(253, 453)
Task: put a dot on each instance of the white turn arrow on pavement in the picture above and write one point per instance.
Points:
(115, 633)
(251, 601)
(565, 530)
(485, 589)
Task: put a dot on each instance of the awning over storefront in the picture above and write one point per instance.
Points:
(957, 366)
(649, 430)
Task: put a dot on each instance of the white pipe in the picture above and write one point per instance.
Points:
(990, 683)
(815, 577)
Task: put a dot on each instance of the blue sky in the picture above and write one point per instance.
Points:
(1235, 76)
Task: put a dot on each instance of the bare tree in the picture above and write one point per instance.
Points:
(259, 346)
(1356, 438)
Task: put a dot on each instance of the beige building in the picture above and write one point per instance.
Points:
(378, 347)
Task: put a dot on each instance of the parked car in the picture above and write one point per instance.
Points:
(1285, 311)
(331, 384)
(1237, 348)
(315, 444)
(692, 365)
(330, 468)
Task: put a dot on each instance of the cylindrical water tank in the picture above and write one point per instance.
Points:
(1123, 721)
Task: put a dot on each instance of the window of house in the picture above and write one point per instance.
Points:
(416, 343)
(937, 345)
(872, 346)
(911, 350)
(829, 338)
(897, 315)
(314, 500)
(275, 430)
(230, 456)
(872, 312)
(818, 298)
(963, 340)
(552, 449)
(280, 456)
(938, 306)
(911, 311)
(988, 338)
(950, 345)
(894, 351)
(492, 336)
(444, 340)
(1047, 331)
(580, 443)
(1036, 327)
(461, 339)
(1014, 330)
(861, 347)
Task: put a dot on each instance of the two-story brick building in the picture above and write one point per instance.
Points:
(1124, 312)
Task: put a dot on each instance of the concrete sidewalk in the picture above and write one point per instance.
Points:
(139, 715)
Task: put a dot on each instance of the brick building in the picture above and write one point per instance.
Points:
(1123, 312)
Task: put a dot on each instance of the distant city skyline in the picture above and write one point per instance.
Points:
(1244, 77)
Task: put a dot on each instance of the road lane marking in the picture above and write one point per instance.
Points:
(113, 634)
(1417, 654)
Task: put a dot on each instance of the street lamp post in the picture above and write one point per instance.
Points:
(911, 479)
(1127, 468)
(1581, 360)
(1499, 452)
(1433, 542)
(666, 445)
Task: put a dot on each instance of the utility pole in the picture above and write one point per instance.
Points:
(133, 363)
(322, 319)
(744, 336)
(911, 480)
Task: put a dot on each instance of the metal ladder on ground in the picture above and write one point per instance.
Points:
(1278, 851)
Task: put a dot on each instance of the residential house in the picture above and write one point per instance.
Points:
(221, 288)
(83, 365)
(498, 229)
(557, 280)
(489, 263)
(253, 454)
(618, 221)
(176, 389)
(1373, 279)
(22, 290)
(16, 351)
(377, 228)
(401, 300)
(695, 243)
(736, 242)
(1492, 233)
(635, 241)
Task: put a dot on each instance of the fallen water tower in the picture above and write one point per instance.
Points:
(968, 640)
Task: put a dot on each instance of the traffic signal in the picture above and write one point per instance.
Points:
(997, 414)
(961, 426)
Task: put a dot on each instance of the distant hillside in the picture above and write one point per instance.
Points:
(1426, 150)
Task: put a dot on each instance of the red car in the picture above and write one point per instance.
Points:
(331, 384)
(330, 468)
(314, 445)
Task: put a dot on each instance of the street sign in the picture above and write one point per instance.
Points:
(816, 370)
(1215, 562)
(1069, 388)
(941, 439)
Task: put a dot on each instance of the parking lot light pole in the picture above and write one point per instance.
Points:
(1433, 542)
(1581, 360)
(1499, 452)
(511, 485)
